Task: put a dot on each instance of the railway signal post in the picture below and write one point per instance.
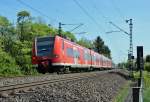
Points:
(138, 90)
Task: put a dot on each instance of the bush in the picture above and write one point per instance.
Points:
(23, 57)
(147, 67)
(24, 61)
(8, 65)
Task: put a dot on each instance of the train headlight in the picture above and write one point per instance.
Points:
(55, 56)
(34, 58)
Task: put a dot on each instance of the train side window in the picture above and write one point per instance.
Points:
(97, 59)
(86, 56)
(89, 57)
(70, 52)
(94, 58)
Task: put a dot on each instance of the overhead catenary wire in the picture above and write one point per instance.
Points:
(91, 17)
(84, 10)
(99, 12)
(106, 18)
(76, 27)
(36, 10)
(117, 9)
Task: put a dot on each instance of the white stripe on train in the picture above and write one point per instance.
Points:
(77, 65)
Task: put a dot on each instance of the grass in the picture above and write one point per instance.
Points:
(122, 94)
(146, 87)
(147, 95)
(146, 92)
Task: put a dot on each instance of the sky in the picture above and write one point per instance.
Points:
(95, 16)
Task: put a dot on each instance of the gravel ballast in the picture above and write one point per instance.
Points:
(102, 88)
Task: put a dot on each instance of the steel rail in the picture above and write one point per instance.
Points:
(16, 87)
(9, 89)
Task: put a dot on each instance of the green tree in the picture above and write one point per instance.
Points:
(70, 35)
(99, 45)
(22, 16)
(7, 31)
(107, 51)
(101, 48)
(40, 29)
(148, 58)
(23, 20)
(147, 66)
(39, 20)
(4, 21)
(85, 42)
(4, 24)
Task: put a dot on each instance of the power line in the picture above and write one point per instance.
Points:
(99, 11)
(107, 20)
(117, 9)
(119, 28)
(90, 15)
(103, 16)
(76, 27)
(36, 10)
(86, 12)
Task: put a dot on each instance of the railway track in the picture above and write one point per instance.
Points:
(7, 90)
(16, 88)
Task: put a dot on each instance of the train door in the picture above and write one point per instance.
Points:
(85, 57)
(75, 54)
(94, 59)
(63, 51)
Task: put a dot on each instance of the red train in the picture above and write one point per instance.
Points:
(58, 54)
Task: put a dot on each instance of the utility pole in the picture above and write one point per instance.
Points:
(131, 47)
(130, 54)
(59, 29)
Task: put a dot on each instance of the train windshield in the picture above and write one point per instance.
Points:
(45, 46)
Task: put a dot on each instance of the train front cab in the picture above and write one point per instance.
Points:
(43, 53)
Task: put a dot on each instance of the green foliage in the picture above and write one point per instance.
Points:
(22, 54)
(85, 42)
(146, 92)
(23, 25)
(8, 65)
(101, 48)
(123, 92)
(107, 51)
(4, 21)
(146, 77)
(123, 65)
(146, 95)
(99, 45)
(40, 29)
(70, 35)
(146, 86)
(22, 15)
(148, 58)
(147, 66)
